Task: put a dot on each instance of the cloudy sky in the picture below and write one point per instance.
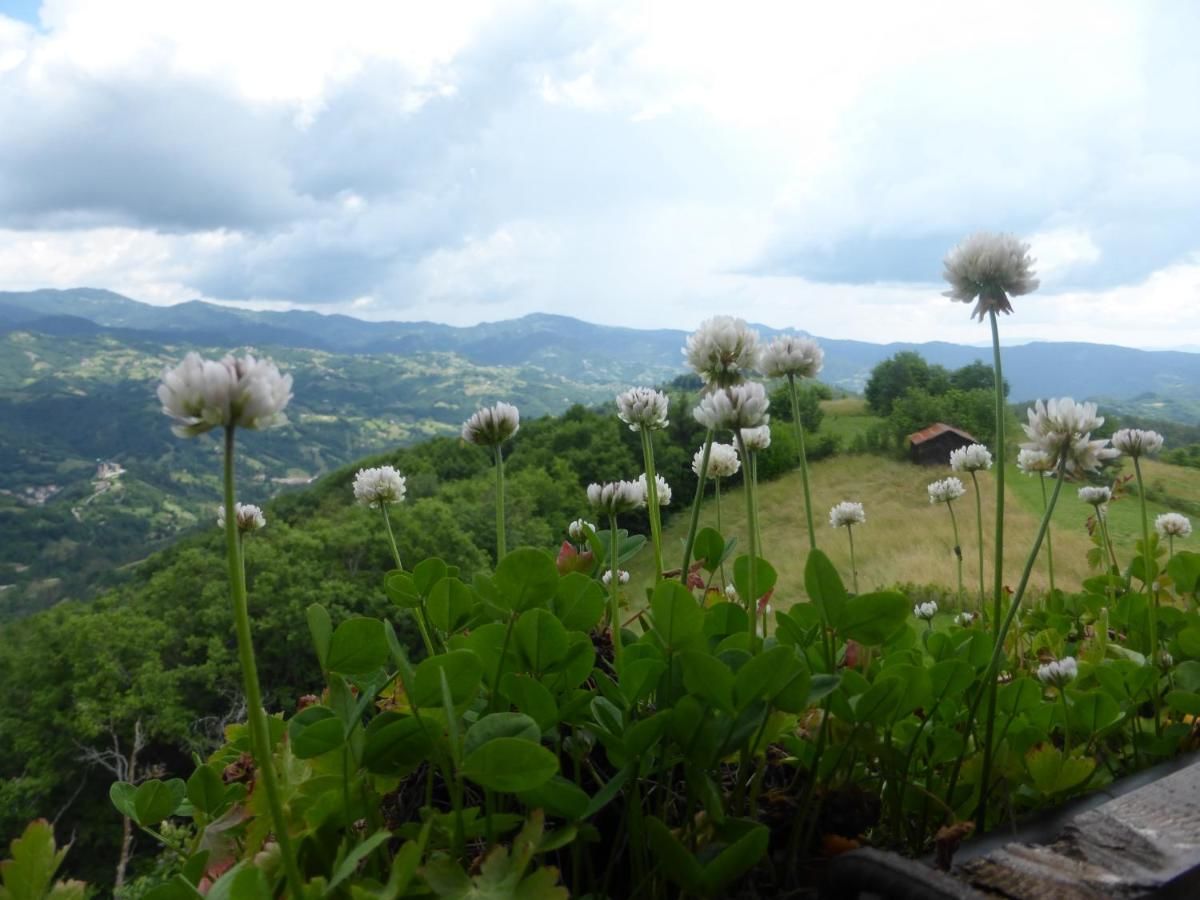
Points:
(647, 164)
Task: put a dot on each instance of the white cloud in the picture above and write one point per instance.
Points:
(649, 164)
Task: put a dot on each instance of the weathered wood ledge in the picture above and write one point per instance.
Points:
(1139, 838)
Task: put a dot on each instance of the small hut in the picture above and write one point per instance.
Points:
(931, 446)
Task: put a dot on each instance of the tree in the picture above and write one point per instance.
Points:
(905, 371)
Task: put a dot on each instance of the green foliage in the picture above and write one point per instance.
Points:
(29, 873)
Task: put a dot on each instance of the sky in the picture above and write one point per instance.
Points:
(646, 164)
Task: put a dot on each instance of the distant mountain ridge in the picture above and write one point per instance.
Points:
(583, 351)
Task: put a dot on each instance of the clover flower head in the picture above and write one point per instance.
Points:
(379, 485)
(660, 485)
(202, 394)
(622, 577)
(723, 461)
(578, 530)
(1135, 442)
(1062, 430)
(964, 619)
(756, 439)
(722, 350)
(492, 425)
(248, 516)
(1096, 496)
(1035, 462)
(989, 268)
(613, 497)
(799, 357)
(972, 458)
(1058, 672)
(643, 408)
(847, 513)
(926, 610)
(1173, 525)
(946, 490)
(734, 408)
(731, 594)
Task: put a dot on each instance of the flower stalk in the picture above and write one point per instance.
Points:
(1148, 570)
(751, 601)
(259, 731)
(799, 426)
(654, 510)
(1001, 415)
(614, 586)
(989, 678)
(501, 544)
(1049, 542)
(694, 526)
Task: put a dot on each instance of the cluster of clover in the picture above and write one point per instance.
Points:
(987, 269)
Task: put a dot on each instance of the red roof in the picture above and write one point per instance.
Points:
(925, 434)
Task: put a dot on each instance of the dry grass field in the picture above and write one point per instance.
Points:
(907, 540)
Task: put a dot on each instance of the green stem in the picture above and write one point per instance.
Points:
(1001, 417)
(614, 613)
(259, 732)
(418, 614)
(1112, 578)
(1049, 543)
(1148, 570)
(957, 549)
(652, 503)
(501, 547)
(989, 678)
(853, 567)
(979, 542)
(808, 513)
(717, 492)
(699, 498)
(492, 701)
(752, 531)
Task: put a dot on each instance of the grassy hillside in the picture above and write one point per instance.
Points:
(908, 541)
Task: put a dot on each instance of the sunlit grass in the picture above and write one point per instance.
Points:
(907, 540)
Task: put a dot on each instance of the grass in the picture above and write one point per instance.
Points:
(847, 418)
(907, 540)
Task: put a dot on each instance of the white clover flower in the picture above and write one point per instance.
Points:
(1172, 524)
(731, 594)
(202, 394)
(578, 530)
(1062, 429)
(1096, 496)
(847, 513)
(249, 517)
(615, 497)
(757, 439)
(964, 619)
(622, 577)
(1059, 672)
(723, 461)
(734, 408)
(492, 425)
(660, 483)
(972, 458)
(379, 485)
(946, 490)
(991, 268)
(925, 611)
(722, 351)
(1135, 442)
(643, 408)
(1035, 462)
(800, 357)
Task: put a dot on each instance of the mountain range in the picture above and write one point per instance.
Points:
(1168, 381)
(91, 478)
